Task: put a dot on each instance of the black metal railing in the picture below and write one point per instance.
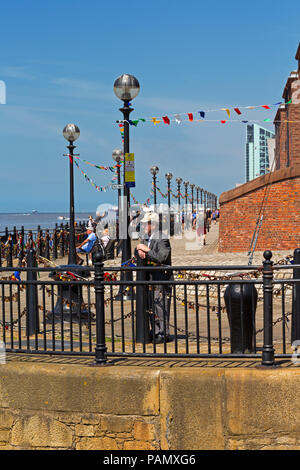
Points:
(50, 244)
(193, 311)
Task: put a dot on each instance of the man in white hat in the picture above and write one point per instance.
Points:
(86, 246)
(157, 251)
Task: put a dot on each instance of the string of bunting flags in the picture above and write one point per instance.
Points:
(192, 116)
(175, 196)
(99, 188)
(99, 167)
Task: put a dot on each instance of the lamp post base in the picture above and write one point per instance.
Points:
(70, 304)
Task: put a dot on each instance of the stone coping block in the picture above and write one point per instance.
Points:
(76, 406)
(105, 390)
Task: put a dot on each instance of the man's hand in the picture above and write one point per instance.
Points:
(141, 254)
(142, 247)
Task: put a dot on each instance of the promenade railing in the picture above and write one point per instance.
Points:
(50, 244)
(226, 312)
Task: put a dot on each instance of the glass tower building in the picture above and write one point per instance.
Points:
(257, 157)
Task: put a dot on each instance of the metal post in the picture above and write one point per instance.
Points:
(154, 188)
(72, 247)
(268, 349)
(119, 197)
(21, 246)
(296, 299)
(142, 320)
(32, 324)
(10, 252)
(61, 244)
(126, 242)
(41, 251)
(192, 187)
(100, 350)
(186, 222)
(54, 252)
(6, 241)
(178, 193)
(47, 246)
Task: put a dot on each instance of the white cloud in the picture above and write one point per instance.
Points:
(85, 89)
(16, 72)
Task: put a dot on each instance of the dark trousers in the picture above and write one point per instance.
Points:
(160, 303)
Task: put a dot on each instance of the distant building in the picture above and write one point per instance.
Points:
(257, 155)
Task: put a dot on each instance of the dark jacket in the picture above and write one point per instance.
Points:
(160, 254)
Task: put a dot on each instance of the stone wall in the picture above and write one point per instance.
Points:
(240, 209)
(46, 406)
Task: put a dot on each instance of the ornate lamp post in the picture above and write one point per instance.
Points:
(117, 156)
(154, 170)
(192, 187)
(201, 196)
(186, 183)
(178, 181)
(197, 196)
(71, 133)
(185, 211)
(126, 88)
(168, 177)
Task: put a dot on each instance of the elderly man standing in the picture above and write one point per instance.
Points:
(157, 251)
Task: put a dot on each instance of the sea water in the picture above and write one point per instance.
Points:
(32, 220)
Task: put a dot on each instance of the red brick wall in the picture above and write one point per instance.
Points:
(239, 211)
(294, 128)
(280, 142)
(287, 151)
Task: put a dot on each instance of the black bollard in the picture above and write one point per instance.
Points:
(142, 318)
(241, 300)
(295, 335)
(32, 323)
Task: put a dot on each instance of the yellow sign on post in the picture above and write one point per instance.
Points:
(129, 170)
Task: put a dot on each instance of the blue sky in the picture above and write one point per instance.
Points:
(59, 60)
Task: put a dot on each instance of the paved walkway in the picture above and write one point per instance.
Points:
(188, 251)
